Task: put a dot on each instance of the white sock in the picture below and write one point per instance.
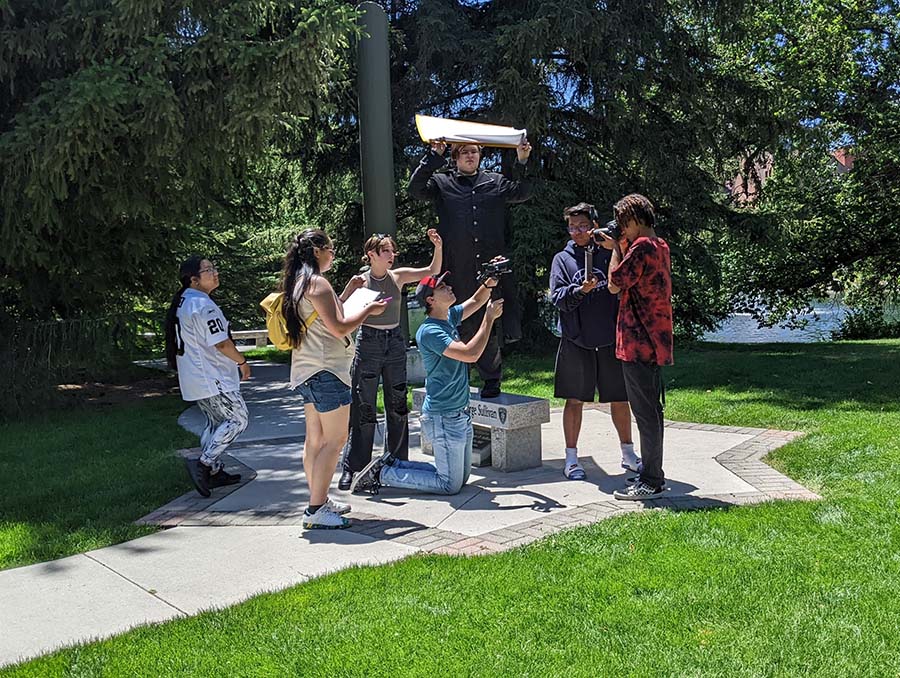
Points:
(571, 456)
(628, 451)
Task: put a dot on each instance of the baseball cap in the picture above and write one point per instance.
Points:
(427, 285)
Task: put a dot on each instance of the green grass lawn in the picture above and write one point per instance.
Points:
(75, 480)
(780, 589)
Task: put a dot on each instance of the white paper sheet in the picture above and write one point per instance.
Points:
(360, 298)
(461, 131)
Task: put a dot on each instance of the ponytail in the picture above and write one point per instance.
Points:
(300, 265)
(190, 268)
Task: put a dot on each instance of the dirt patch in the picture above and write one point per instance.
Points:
(102, 393)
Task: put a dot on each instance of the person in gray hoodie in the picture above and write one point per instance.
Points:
(586, 363)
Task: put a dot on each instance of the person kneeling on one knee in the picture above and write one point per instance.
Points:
(446, 421)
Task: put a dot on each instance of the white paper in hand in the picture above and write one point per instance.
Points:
(360, 298)
(463, 132)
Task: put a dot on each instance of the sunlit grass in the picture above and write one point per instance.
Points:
(780, 589)
(74, 481)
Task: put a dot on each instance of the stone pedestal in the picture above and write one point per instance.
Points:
(415, 370)
(515, 427)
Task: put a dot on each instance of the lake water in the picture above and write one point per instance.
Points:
(742, 329)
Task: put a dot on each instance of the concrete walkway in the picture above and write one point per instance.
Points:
(247, 539)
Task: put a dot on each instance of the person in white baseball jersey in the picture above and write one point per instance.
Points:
(210, 369)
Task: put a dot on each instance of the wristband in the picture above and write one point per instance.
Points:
(243, 363)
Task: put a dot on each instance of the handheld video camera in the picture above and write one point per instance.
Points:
(494, 269)
(610, 228)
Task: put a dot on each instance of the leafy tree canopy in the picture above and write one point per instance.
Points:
(135, 130)
(125, 124)
(817, 228)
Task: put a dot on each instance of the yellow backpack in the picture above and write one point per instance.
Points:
(276, 325)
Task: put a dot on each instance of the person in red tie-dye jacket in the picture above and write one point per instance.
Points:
(643, 275)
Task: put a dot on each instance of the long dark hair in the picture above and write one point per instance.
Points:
(190, 268)
(300, 265)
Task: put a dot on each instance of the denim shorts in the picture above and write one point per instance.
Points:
(325, 392)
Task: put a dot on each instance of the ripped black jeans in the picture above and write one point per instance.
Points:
(380, 354)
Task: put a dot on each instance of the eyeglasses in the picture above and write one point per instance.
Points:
(211, 269)
(579, 229)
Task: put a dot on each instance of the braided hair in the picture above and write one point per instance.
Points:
(190, 268)
(637, 207)
(300, 265)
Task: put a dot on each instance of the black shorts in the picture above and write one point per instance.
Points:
(582, 372)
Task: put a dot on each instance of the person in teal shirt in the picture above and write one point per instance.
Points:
(445, 420)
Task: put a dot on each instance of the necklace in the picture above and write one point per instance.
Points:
(378, 279)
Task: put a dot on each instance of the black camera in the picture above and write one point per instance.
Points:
(610, 228)
(494, 269)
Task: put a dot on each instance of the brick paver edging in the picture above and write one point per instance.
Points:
(744, 460)
(190, 505)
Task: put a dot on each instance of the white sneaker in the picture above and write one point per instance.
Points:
(324, 519)
(336, 506)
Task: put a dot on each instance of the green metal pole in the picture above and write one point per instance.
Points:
(376, 147)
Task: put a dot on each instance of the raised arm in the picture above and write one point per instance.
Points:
(324, 300)
(422, 185)
(470, 351)
(624, 269)
(614, 261)
(477, 300)
(519, 188)
(404, 276)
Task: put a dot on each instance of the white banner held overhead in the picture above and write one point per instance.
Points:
(463, 132)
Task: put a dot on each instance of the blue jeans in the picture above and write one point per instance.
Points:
(325, 392)
(451, 438)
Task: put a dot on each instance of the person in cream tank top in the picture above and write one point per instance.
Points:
(320, 366)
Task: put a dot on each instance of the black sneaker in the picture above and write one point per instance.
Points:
(346, 479)
(200, 474)
(491, 388)
(221, 478)
(639, 491)
(369, 479)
